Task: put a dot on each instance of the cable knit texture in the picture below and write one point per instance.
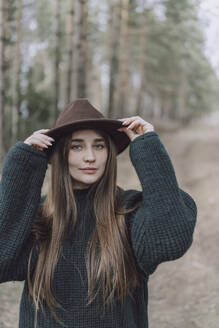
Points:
(160, 229)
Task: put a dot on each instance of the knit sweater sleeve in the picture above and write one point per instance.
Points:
(20, 194)
(161, 228)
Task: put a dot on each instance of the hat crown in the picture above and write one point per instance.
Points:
(80, 114)
(77, 110)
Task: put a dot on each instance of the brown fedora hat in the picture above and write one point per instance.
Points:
(80, 114)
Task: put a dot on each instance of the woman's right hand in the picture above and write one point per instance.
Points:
(39, 140)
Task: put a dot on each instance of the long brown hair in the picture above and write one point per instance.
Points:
(110, 262)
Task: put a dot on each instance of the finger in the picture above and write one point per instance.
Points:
(129, 133)
(137, 119)
(46, 138)
(37, 141)
(128, 119)
(134, 119)
(134, 124)
(141, 123)
(41, 131)
(43, 136)
(127, 122)
(40, 138)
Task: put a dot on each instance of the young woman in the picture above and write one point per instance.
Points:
(87, 248)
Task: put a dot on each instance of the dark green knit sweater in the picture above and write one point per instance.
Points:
(161, 229)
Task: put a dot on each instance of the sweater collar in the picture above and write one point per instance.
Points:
(83, 193)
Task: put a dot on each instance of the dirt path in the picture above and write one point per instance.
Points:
(185, 293)
(182, 293)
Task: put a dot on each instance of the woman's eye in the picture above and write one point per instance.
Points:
(100, 146)
(75, 146)
(79, 146)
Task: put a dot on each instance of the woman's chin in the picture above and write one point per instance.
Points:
(86, 182)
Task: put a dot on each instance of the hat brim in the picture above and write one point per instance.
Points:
(109, 126)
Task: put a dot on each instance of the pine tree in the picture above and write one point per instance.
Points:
(81, 49)
(69, 47)
(114, 26)
(16, 90)
(57, 59)
(2, 76)
(123, 59)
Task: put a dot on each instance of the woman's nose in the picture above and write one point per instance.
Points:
(89, 155)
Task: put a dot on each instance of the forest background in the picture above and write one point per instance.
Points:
(129, 57)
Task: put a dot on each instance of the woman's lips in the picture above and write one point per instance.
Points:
(90, 171)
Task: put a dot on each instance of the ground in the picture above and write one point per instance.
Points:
(183, 293)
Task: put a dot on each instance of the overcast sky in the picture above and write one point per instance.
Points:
(209, 13)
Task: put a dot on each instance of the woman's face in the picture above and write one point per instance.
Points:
(87, 157)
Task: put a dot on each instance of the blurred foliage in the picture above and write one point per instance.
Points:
(177, 73)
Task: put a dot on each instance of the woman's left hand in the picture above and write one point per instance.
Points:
(135, 126)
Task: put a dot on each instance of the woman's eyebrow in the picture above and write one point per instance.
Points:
(81, 140)
(98, 140)
(77, 139)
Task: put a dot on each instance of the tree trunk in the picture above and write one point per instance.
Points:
(181, 97)
(142, 61)
(114, 25)
(2, 77)
(57, 59)
(16, 92)
(81, 49)
(123, 60)
(69, 61)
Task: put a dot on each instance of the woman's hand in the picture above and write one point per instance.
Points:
(135, 126)
(39, 140)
